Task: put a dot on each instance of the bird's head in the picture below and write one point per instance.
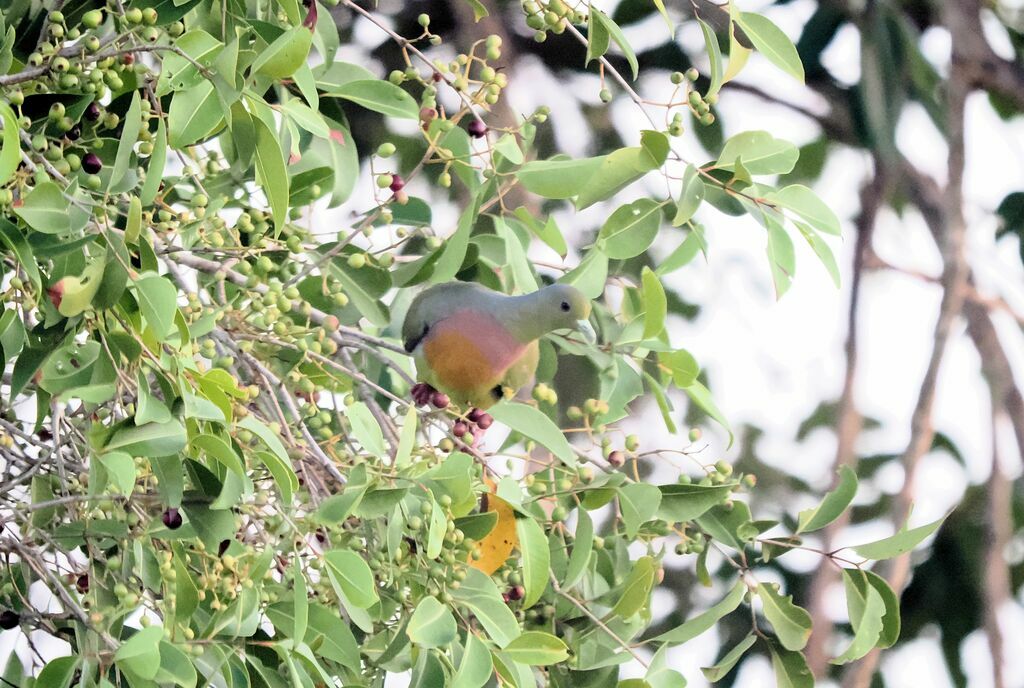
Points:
(568, 309)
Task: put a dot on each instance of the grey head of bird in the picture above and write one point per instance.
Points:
(554, 307)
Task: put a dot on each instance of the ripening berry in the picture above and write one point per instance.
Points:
(172, 518)
(460, 429)
(617, 458)
(485, 421)
(439, 400)
(695, 434)
(91, 163)
(397, 183)
(477, 129)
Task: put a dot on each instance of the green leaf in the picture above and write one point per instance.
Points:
(792, 624)
(218, 449)
(141, 653)
(832, 506)
(590, 275)
(354, 576)
(531, 423)
(155, 169)
(366, 429)
(454, 251)
(120, 468)
(129, 136)
(655, 304)
(195, 114)
(866, 609)
(431, 624)
(508, 147)
(307, 118)
(900, 543)
(436, 531)
(791, 670)
(617, 170)
(158, 301)
(613, 30)
(598, 40)
(535, 558)
(14, 240)
(629, 230)
(805, 203)
(636, 590)
(558, 178)
(407, 438)
(10, 148)
(537, 648)
(175, 667)
(476, 666)
(690, 197)
(700, 395)
(705, 620)
(822, 250)
(271, 174)
(379, 96)
(479, 594)
(286, 54)
(771, 42)
(760, 152)
(57, 673)
(781, 257)
(45, 209)
(857, 583)
(681, 503)
(719, 670)
(152, 439)
(714, 57)
(582, 546)
(638, 503)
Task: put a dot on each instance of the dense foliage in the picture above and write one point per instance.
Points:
(211, 462)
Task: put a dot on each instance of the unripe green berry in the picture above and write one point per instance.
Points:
(386, 150)
(423, 20)
(605, 95)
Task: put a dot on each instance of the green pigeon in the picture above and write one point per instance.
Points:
(472, 343)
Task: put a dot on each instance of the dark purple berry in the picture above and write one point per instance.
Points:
(9, 619)
(516, 592)
(477, 128)
(171, 518)
(74, 133)
(83, 583)
(460, 428)
(92, 113)
(439, 400)
(484, 421)
(474, 415)
(223, 547)
(397, 183)
(91, 163)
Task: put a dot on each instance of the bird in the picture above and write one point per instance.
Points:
(472, 343)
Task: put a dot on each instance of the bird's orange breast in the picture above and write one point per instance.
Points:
(470, 351)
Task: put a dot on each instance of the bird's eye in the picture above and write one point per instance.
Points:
(565, 306)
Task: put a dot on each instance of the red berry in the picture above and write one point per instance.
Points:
(128, 59)
(56, 293)
(397, 183)
(91, 163)
(616, 458)
(516, 592)
(460, 428)
(485, 421)
(477, 128)
(172, 518)
(440, 400)
(436, 76)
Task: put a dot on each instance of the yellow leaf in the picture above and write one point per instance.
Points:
(498, 544)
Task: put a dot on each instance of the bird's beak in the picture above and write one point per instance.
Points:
(587, 330)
